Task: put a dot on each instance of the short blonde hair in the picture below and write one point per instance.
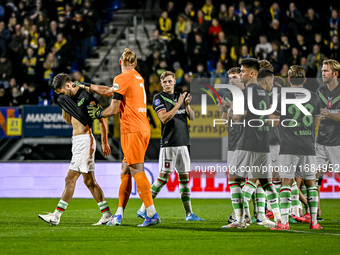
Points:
(167, 73)
(296, 75)
(333, 64)
(266, 64)
(128, 57)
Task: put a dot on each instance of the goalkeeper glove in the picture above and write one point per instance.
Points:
(95, 112)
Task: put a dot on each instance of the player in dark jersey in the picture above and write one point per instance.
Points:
(252, 151)
(328, 139)
(73, 102)
(235, 131)
(297, 147)
(173, 109)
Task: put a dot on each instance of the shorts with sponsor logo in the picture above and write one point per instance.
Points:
(274, 155)
(134, 146)
(83, 150)
(326, 155)
(171, 158)
(303, 166)
(250, 164)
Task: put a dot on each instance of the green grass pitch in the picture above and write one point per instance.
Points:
(22, 232)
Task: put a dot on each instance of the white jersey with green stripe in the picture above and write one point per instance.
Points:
(329, 130)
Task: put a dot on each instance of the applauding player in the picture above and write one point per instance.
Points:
(173, 109)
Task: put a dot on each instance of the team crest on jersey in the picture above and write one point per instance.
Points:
(115, 86)
(157, 102)
(329, 104)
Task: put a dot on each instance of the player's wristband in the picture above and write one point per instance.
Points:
(229, 110)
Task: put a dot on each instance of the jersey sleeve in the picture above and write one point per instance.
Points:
(158, 104)
(317, 106)
(120, 85)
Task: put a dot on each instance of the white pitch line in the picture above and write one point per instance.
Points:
(306, 232)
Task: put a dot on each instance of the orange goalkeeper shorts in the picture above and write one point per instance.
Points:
(134, 146)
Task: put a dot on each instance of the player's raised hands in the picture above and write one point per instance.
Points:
(181, 98)
(188, 99)
(95, 111)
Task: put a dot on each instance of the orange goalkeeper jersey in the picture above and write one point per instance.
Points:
(132, 110)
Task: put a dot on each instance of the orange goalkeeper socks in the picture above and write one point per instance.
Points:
(144, 188)
(124, 190)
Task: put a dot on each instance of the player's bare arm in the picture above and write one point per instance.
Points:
(67, 117)
(98, 89)
(164, 116)
(188, 109)
(103, 130)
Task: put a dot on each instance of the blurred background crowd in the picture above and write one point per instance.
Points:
(195, 39)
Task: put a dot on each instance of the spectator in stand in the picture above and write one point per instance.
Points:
(244, 54)
(276, 57)
(311, 25)
(295, 58)
(30, 64)
(38, 9)
(263, 48)
(5, 71)
(274, 32)
(208, 10)
(178, 72)
(224, 57)
(12, 22)
(42, 50)
(79, 35)
(63, 52)
(334, 47)
(32, 95)
(285, 45)
(231, 27)
(51, 34)
(165, 26)
(176, 51)
(274, 13)
(78, 76)
(16, 97)
(200, 71)
(223, 13)
(203, 24)
(157, 43)
(199, 51)
(154, 86)
(183, 27)
(334, 23)
(242, 12)
(219, 74)
(302, 45)
(172, 13)
(314, 60)
(214, 30)
(190, 12)
(251, 31)
(293, 19)
(50, 66)
(4, 100)
(323, 44)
